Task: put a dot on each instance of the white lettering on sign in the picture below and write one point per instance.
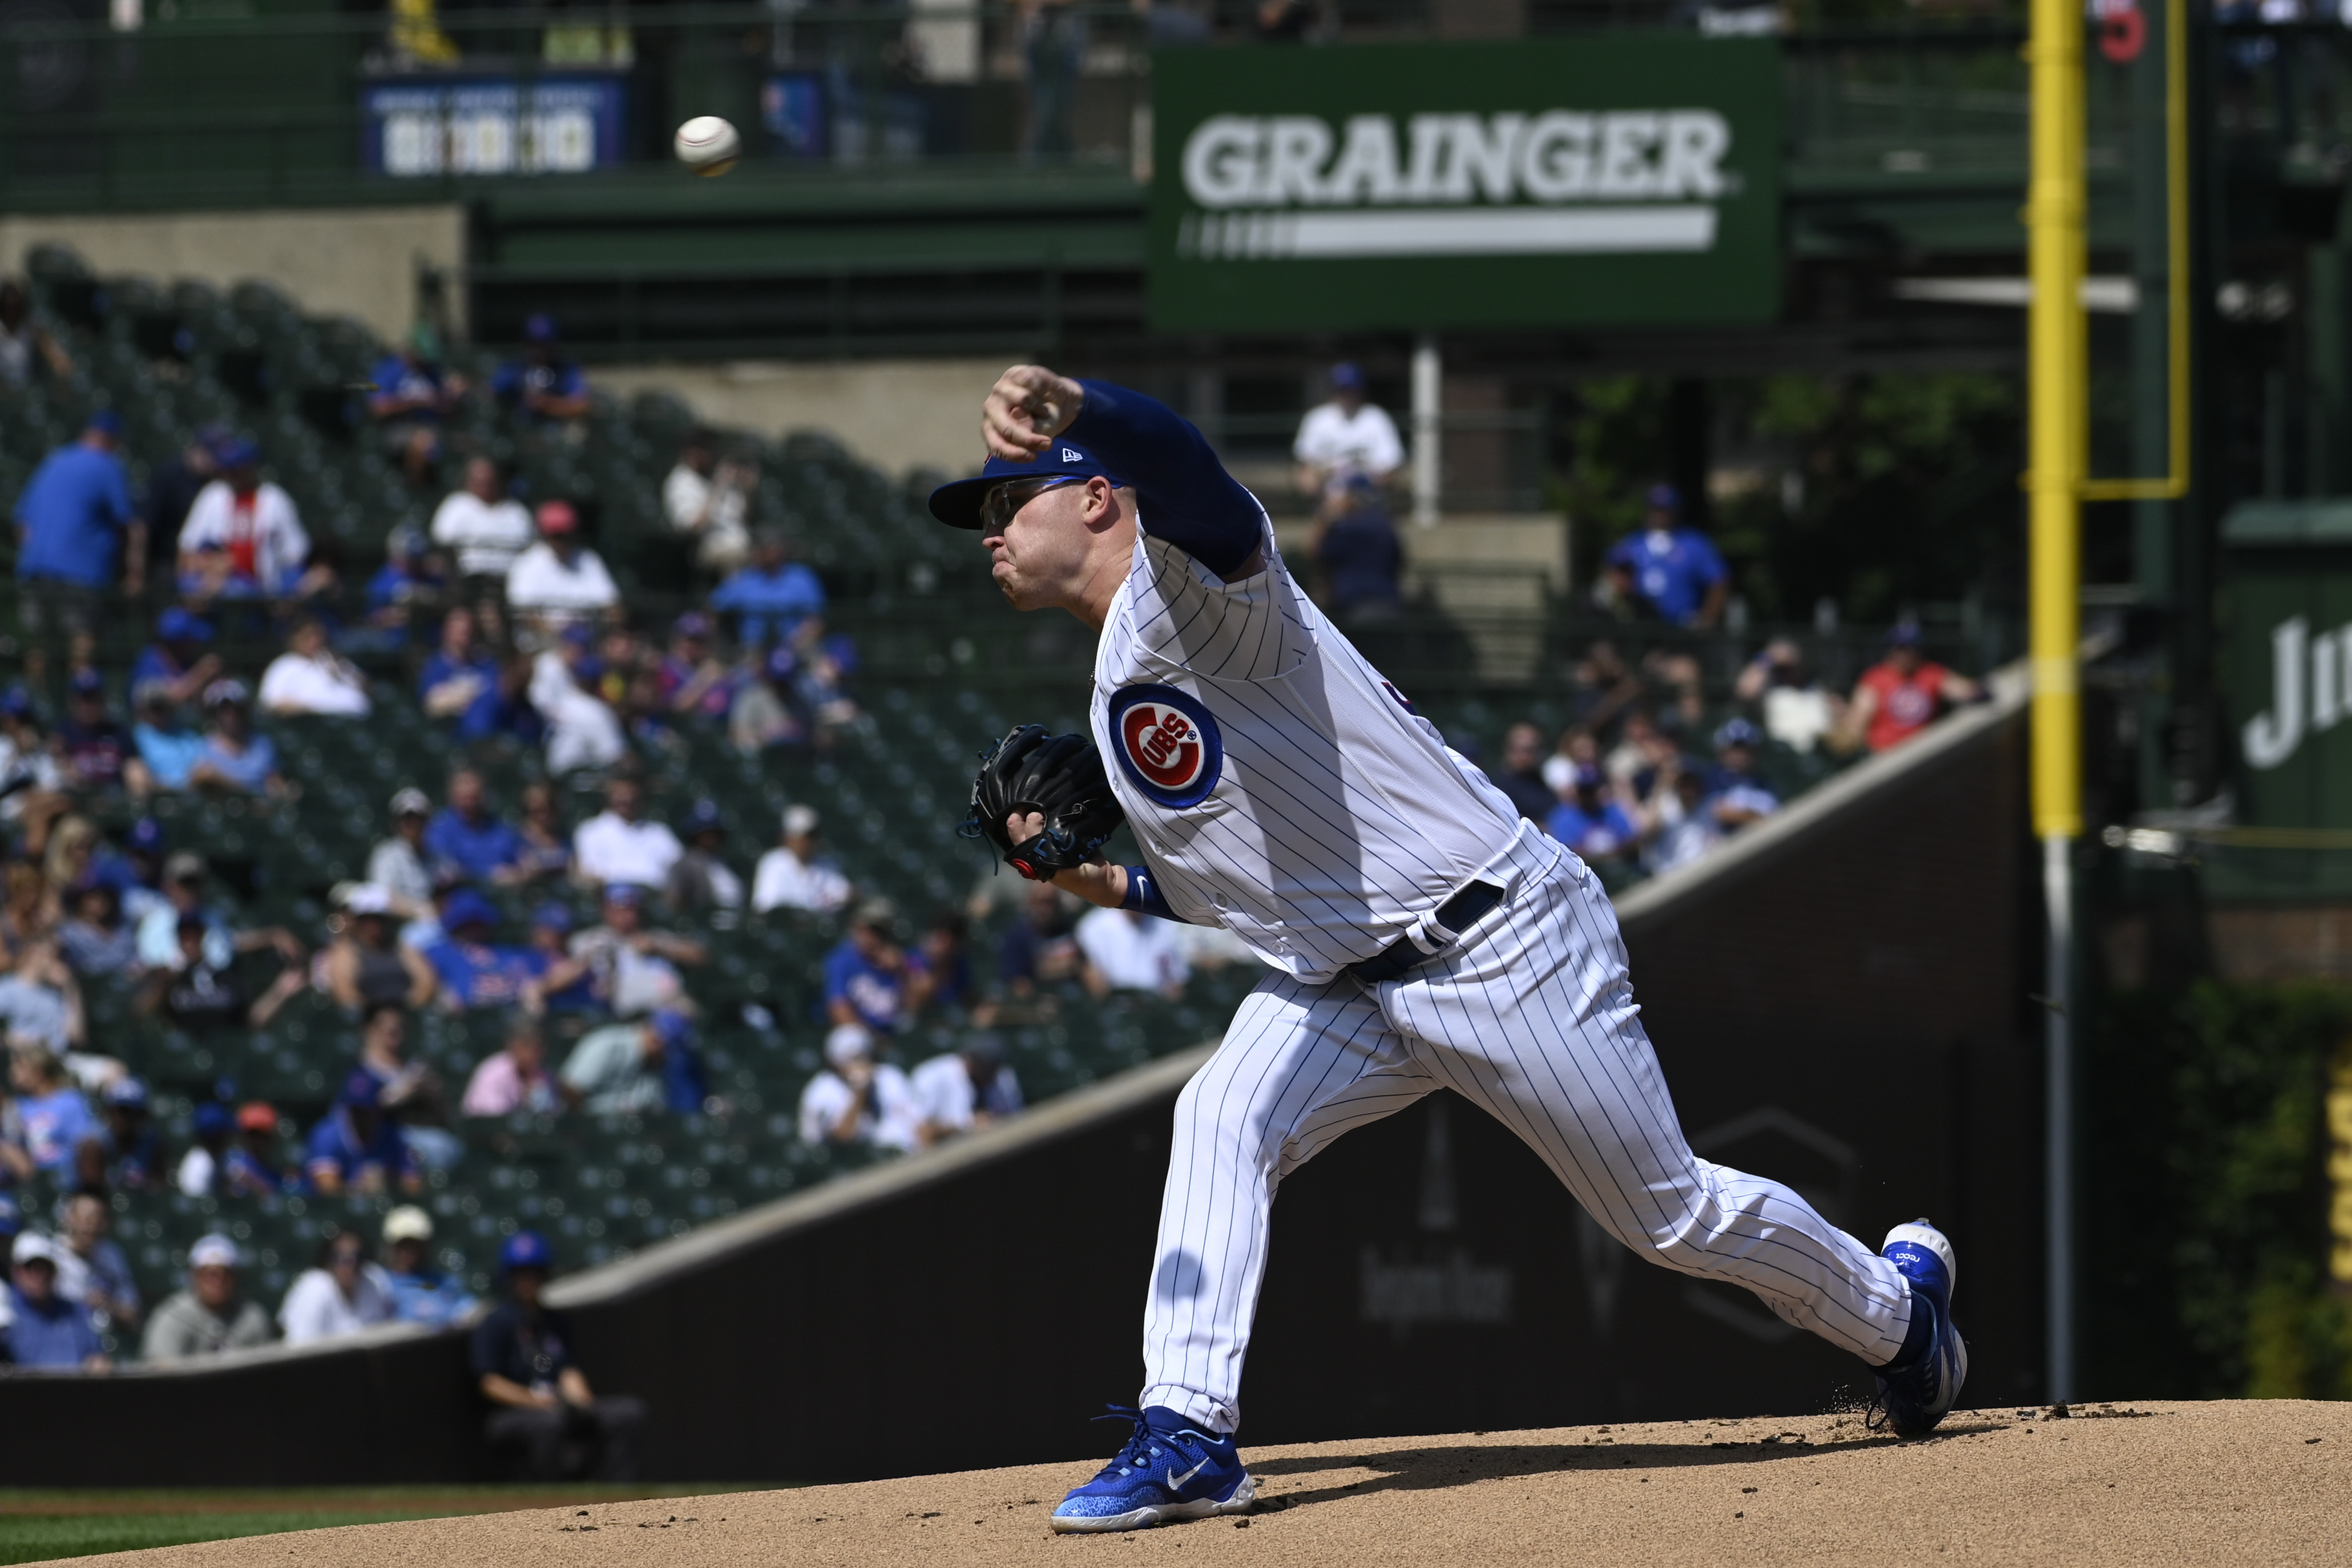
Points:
(2310, 691)
(1559, 155)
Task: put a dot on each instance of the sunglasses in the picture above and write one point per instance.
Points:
(1001, 504)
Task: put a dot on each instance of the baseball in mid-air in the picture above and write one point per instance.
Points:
(708, 145)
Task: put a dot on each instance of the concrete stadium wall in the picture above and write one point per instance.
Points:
(1837, 1001)
(896, 414)
(355, 261)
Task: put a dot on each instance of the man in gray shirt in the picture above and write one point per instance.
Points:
(628, 1069)
(211, 1315)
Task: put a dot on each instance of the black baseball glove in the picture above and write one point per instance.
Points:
(1058, 777)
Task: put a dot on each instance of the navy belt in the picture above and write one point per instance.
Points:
(1456, 915)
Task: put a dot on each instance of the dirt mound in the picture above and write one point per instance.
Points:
(2171, 1485)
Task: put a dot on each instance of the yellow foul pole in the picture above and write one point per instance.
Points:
(2057, 452)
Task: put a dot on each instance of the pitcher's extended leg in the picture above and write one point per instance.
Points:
(1300, 1065)
(1533, 1019)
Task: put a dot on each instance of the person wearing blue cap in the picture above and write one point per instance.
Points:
(356, 1148)
(76, 535)
(211, 1125)
(474, 971)
(140, 1160)
(1903, 694)
(700, 883)
(544, 385)
(94, 748)
(1667, 568)
(1735, 795)
(414, 393)
(244, 539)
(176, 661)
(1346, 438)
(545, 1418)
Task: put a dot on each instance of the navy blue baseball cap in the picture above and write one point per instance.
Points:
(1348, 376)
(1736, 731)
(146, 835)
(1903, 634)
(106, 422)
(957, 503)
(178, 625)
(703, 818)
(1665, 498)
(466, 907)
(525, 1249)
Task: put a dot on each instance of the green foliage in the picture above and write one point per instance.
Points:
(1880, 493)
(2205, 1195)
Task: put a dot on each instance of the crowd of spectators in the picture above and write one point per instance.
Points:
(1637, 782)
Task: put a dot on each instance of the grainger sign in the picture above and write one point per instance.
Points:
(1602, 181)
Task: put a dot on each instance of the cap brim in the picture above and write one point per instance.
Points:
(957, 503)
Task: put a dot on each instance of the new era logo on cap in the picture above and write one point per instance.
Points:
(1071, 456)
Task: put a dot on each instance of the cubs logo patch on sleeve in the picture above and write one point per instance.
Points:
(1167, 744)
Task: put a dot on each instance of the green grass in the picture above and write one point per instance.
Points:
(38, 1525)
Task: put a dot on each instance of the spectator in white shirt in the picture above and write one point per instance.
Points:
(583, 730)
(616, 845)
(706, 498)
(964, 1089)
(243, 539)
(1344, 438)
(1130, 951)
(857, 1100)
(794, 875)
(560, 582)
(397, 864)
(344, 1294)
(311, 678)
(487, 527)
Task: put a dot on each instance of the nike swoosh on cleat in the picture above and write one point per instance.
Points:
(1175, 1480)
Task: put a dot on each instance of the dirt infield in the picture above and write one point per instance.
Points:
(2170, 1485)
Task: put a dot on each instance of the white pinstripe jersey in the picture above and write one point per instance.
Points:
(1280, 787)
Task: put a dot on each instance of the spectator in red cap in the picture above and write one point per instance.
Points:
(558, 581)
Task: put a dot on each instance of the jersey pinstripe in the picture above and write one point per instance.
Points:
(1337, 817)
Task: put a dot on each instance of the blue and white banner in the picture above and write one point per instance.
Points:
(553, 125)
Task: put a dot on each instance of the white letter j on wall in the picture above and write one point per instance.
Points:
(2270, 738)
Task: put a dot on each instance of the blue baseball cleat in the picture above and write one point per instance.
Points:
(1170, 1469)
(1915, 1396)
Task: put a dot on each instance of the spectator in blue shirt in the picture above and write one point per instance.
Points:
(1589, 820)
(44, 1328)
(421, 1293)
(467, 835)
(464, 686)
(544, 385)
(412, 581)
(62, 1135)
(775, 597)
(166, 744)
(235, 759)
(175, 660)
(357, 1148)
(413, 395)
(476, 972)
(1669, 569)
(76, 532)
(869, 979)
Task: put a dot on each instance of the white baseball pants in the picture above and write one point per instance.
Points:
(1529, 1017)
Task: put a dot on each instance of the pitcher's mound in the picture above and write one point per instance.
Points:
(2136, 1486)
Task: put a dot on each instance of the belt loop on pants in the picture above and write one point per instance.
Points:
(1451, 918)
